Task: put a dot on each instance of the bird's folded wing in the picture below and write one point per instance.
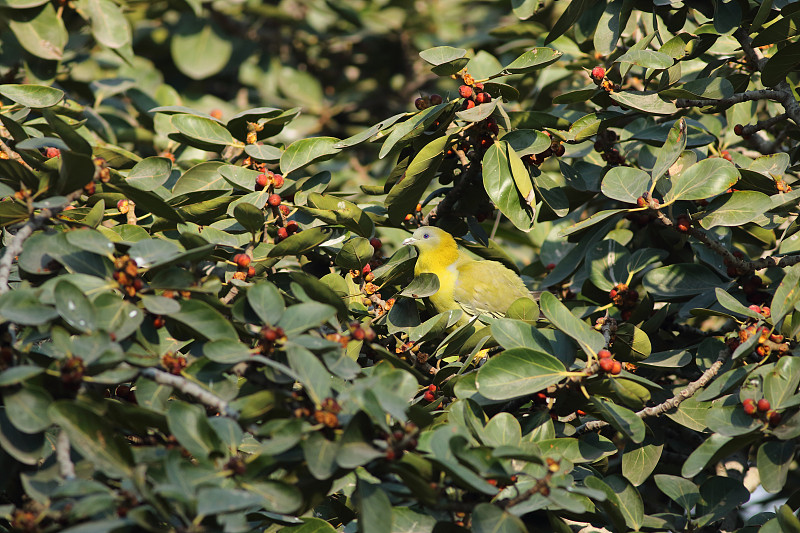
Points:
(487, 287)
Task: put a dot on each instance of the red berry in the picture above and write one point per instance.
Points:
(277, 180)
(429, 397)
(468, 104)
(282, 233)
(52, 152)
(285, 209)
(726, 155)
(243, 260)
(422, 103)
(763, 405)
(251, 272)
(261, 182)
(274, 200)
(774, 418)
(465, 91)
(617, 368)
(550, 266)
(158, 322)
(606, 365)
(367, 269)
(359, 334)
(749, 408)
(641, 202)
(436, 99)
(612, 293)
(123, 206)
(291, 227)
(432, 388)
(483, 98)
(376, 243)
(598, 73)
(738, 129)
(604, 354)
(216, 113)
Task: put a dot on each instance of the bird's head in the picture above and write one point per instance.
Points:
(431, 239)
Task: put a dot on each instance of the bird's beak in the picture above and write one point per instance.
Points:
(410, 240)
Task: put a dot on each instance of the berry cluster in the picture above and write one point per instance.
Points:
(604, 144)
(126, 274)
(782, 186)
(244, 271)
(473, 94)
(361, 332)
(174, 362)
(400, 440)
(430, 394)
(269, 179)
(761, 409)
(624, 298)
(767, 342)
(101, 171)
(270, 336)
(328, 412)
(424, 102)
(556, 148)
(607, 363)
(72, 370)
(598, 76)
(290, 228)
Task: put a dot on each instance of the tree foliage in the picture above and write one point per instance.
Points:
(209, 324)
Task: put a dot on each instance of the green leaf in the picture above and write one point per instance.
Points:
(672, 149)
(301, 317)
(24, 308)
(702, 180)
(646, 59)
(630, 501)
(345, 213)
(736, 209)
(226, 351)
(622, 419)
(440, 55)
(311, 525)
(567, 19)
(500, 168)
(355, 253)
(202, 132)
(719, 496)
(611, 23)
(40, 31)
(204, 320)
(406, 193)
(639, 460)
(625, 184)
(412, 127)
(306, 151)
(422, 286)
(249, 216)
(533, 59)
(787, 294)
(516, 334)
(150, 173)
(94, 438)
(374, 508)
(33, 96)
(109, 25)
(190, 425)
(488, 518)
(518, 372)
(313, 375)
(680, 281)
(774, 459)
(681, 491)
(18, 374)
(562, 318)
(74, 307)
(214, 500)
(526, 142)
(201, 177)
(26, 408)
(199, 49)
(608, 264)
(780, 64)
(302, 242)
(591, 221)
(780, 384)
(647, 102)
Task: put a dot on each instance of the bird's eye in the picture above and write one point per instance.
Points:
(425, 235)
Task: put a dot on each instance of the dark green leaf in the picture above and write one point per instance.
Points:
(518, 372)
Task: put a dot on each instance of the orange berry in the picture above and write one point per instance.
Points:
(617, 368)
(274, 200)
(604, 354)
(763, 405)
(242, 260)
(465, 91)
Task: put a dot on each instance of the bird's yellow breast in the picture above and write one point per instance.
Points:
(442, 263)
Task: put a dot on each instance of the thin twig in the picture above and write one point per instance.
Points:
(15, 246)
(673, 402)
(444, 207)
(763, 124)
(65, 466)
(13, 155)
(730, 259)
(192, 389)
(724, 103)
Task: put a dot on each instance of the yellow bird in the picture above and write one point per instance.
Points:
(474, 286)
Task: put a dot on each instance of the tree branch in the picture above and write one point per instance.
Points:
(192, 389)
(65, 466)
(15, 246)
(673, 402)
(724, 103)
